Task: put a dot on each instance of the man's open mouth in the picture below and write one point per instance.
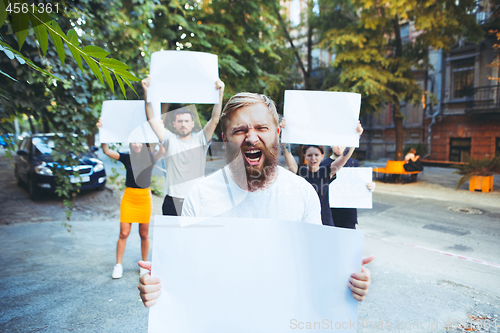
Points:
(253, 156)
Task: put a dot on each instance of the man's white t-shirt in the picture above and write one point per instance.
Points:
(185, 162)
(289, 198)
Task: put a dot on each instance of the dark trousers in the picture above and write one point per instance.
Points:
(345, 217)
(172, 206)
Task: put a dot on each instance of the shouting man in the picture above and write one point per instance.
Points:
(252, 185)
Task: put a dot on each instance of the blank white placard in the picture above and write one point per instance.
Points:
(125, 122)
(229, 275)
(183, 77)
(349, 189)
(321, 118)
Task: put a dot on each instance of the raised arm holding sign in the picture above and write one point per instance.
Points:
(186, 150)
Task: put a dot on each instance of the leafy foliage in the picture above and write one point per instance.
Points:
(157, 185)
(66, 99)
(496, 45)
(43, 26)
(69, 50)
(243, 35)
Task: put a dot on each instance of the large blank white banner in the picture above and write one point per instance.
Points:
(125, 122)
(321, 118)
(183, 77)
(227, 275)
(349, 189)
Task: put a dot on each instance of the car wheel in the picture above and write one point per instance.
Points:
(100, 188)
(33, 192)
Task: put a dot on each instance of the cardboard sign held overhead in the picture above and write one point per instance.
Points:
(125, 122)
(321, 118)
(183, 77)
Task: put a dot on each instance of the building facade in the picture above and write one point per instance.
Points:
(469, 122)
(463, 120)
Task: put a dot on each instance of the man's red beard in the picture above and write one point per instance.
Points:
(257, 177)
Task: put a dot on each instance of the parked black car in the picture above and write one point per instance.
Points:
(34, 164)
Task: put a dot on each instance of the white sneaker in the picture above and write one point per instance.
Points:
(143, 271)
(117, 271)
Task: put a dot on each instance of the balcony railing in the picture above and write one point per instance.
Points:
(483, 99)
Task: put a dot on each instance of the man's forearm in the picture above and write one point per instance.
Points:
(341, 160)
(210, 126)
(216, 111)
(289, 160)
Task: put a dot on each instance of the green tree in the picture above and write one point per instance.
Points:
(493, 27)
(252, 56)
(377, 63)
(60, 95)
(251, 51)
(67, 99)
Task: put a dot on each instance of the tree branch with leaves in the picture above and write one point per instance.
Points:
(21, 16)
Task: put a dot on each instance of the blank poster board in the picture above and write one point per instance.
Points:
(183, 77)
(231, 275)
(349, 189)
(321, 118)
(125, 122)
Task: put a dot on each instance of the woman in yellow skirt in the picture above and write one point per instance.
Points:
(136, 205)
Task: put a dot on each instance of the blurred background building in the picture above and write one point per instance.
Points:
(459, 116)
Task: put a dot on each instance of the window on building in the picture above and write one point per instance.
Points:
(316, 7)
(480, 17)
(405, 33)
(497, 148)
(316, 63)
(459, 149)
(295, 12)
(463, 77)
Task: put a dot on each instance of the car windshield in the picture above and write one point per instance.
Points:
(43, 145)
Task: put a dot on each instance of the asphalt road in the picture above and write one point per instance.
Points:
(412, 283)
